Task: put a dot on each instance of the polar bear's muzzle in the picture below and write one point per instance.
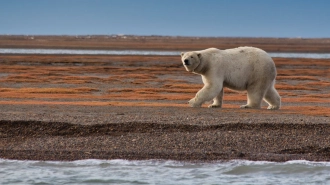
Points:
(186, 62)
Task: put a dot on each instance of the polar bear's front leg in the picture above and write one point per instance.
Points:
(207, 93)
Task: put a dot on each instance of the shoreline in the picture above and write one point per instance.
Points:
(70, 107)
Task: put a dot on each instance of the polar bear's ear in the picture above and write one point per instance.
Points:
(199, 55)
(182, 53)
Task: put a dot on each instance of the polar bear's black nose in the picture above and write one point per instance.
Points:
(186, 62)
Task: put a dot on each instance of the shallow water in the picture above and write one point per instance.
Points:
(139, 52)
(162, 172)
(86, 52)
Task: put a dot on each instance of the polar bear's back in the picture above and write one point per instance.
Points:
(250, 53)
(246, 53)
(257, 58)
(242, 65)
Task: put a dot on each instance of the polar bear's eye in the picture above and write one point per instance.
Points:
(191, 57)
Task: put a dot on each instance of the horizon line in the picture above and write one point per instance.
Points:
(174, 36)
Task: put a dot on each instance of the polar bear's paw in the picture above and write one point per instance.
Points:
(214, 106)
(249, 107)
(245, 106)
(192, 103)
(273, 107)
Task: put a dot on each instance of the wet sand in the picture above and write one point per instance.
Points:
(68, 107)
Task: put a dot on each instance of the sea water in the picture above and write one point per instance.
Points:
(94, 171)
(139, 52)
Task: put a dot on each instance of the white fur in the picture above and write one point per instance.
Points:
(243, 68)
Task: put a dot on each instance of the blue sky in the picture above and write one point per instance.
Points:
(221, 18)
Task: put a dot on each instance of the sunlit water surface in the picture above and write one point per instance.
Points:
(138, 52)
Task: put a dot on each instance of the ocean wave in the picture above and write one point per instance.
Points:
(91, 171)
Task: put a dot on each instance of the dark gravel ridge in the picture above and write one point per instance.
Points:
(23, 128)
(168, 133)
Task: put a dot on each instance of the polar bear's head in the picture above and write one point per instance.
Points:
(191, 60)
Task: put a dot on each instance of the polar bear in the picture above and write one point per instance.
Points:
(242, 68)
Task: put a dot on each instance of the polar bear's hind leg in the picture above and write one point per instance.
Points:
(254, 101)
(255, 95)
(273, 98)
(217, 101)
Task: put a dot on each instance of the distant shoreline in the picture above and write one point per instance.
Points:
(166, 43)
(158, 36)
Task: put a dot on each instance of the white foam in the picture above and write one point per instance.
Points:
(155, 162)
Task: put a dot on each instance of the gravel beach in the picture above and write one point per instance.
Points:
(82, 132)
